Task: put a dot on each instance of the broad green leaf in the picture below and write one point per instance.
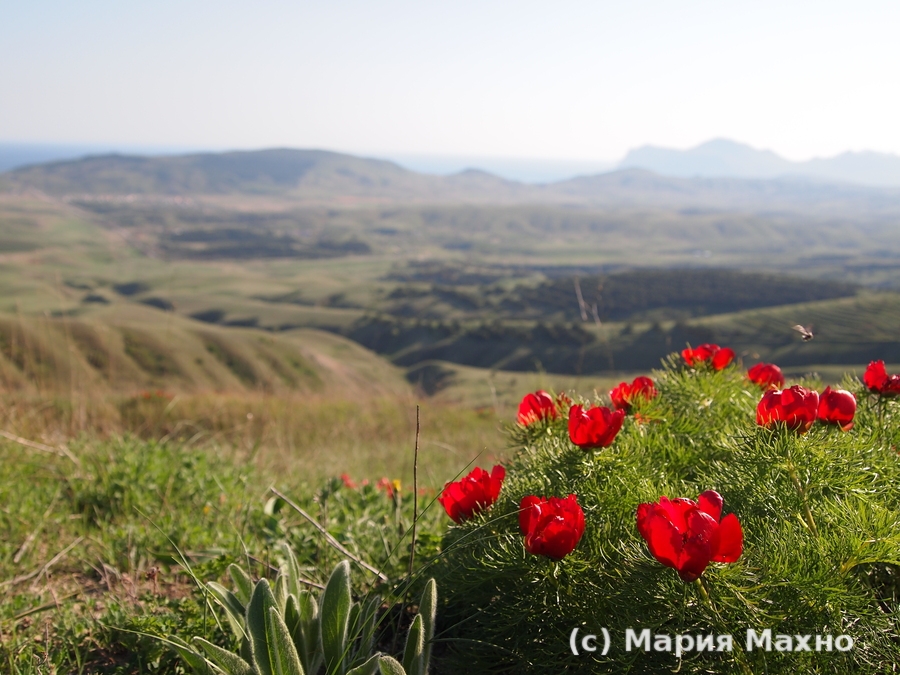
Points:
(280, 592)
(389, 666)
(428, 612)
(334, 616)
(415, 646)
(190, 657)
(282, 653)
(291, 569)
(229, 662)
(234, 608)
(243, 586)
(370, 667)
(258, 608)
(292, 620)
(309, 621)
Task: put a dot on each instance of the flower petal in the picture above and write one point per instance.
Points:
(664, 540)
(731, 540)
(711, 502)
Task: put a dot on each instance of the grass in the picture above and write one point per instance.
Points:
(93, 552)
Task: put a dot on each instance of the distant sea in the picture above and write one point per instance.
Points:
(14, 155)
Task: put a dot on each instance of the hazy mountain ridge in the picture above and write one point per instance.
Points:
(725, 158)
(307, 174)
(330, 177)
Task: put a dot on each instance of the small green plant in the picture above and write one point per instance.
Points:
(282, 629)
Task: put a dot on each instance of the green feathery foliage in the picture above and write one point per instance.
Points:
(821, 541)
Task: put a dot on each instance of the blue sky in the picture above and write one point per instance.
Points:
(570, 81)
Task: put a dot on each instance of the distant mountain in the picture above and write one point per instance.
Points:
(308, 174)
(318, 176)
(722, 158)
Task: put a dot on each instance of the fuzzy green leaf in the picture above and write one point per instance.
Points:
(228, 661)
(191, 657)
(243, 586)
(428, 612)
(334, 616)
(234, 608)
(258, 608)
(370, 667)
(310, 651)
(389, 666)
(282, 653)
(415, 647)
(280, 591)
(291, 569)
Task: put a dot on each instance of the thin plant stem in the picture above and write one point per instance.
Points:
(412, 549)
(800, 491)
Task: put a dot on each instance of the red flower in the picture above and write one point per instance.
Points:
(837, 406)
(687, 535)
(348, 483)
(594, 428)
(464, 498)
(624, 395)
(552, 527)
(717, 356)
(536, 406)
(796, 408)
(879, 382)
(766, 375)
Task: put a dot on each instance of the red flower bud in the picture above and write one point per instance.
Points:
(464, 498)
(624, 395)
(536, 406)
(837, 406)
(552, 527)
(594, 428)
(879, 382)
(796, 408)
(766, 375)
(688, 535)
(718, 357)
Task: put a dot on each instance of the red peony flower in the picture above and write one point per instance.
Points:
(718, 357)
(594, 428)
(536, 406)
(766, 375)
(795, 407)
(688, 535)
(552, 527)
(624, 395)
(879, 382)
(464, 498)
(837, 406)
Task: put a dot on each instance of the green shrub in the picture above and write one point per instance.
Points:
(821, 542)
